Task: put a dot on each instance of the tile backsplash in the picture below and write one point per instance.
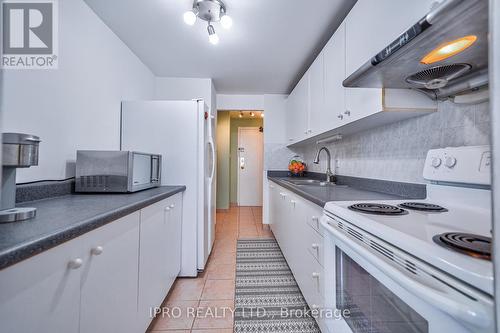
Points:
(397, 151)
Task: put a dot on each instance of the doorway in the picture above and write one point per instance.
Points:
(250, 166)
(229, 125)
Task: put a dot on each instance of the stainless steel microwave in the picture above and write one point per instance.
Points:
(116, 171)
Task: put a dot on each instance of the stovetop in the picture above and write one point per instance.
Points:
(455, 210)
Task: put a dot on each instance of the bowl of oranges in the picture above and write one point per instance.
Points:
(296, 167)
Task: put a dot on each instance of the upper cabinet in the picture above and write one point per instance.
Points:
(298, 111)
(372, 25)
(320, 106)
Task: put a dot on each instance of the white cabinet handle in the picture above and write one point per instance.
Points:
(347, 112)
(305, 132)
(293, 202)
(97, 250)
(340, 116)
(315, 246)
(315, 275)
(172, 206)
(167, 209)
(75, 263)
(271, 186)
(310, 131)
(316, 219)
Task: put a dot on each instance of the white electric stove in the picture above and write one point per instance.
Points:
(438, 250)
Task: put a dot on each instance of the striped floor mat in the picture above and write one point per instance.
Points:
(267, 297)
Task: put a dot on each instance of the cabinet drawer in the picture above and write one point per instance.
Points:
(311, 281)
(314, 213)
(315, 245)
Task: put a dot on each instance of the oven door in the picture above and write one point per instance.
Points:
(144, 172)
(376, 288)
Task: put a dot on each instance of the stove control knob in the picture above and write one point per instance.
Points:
(450, 162)
(436, 162)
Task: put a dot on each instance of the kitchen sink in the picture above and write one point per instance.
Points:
(309, 182)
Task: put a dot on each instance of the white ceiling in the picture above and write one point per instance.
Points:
(269, 47)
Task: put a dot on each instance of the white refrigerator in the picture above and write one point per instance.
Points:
(183, 133)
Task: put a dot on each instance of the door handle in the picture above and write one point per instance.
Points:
(242, 163)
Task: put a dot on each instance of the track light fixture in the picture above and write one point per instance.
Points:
(210, 11)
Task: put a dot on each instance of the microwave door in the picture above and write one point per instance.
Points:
(141, 171)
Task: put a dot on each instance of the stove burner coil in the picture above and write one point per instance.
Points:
(377, 209)
(472, 245)
(422, 206)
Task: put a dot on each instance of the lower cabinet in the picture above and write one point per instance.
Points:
(103, 281)
(159, 261)
(109, 277)
(295, 224)
(42, 293)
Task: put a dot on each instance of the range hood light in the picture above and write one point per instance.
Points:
(448, 49)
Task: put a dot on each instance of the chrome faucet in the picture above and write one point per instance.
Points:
(329, 172)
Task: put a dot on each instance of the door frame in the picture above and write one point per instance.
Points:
(238, 181)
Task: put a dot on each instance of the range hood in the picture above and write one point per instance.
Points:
(401, 65)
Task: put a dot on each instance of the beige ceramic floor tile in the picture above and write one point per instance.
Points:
(215, 315)
(218, 290)
(221, 272)
(177, 317)
(187, 289)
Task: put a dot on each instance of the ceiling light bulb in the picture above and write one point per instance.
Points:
(262, 114)
(240, 115)
(226, 21)
(190, 17)
(252, 114)
(212, 35)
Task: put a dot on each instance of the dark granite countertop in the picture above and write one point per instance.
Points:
(350, 188)
(63, 218)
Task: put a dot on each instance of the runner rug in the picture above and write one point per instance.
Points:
(267, 297)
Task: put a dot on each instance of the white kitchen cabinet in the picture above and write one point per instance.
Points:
(95, 282)
(109, 277)
(42, 293)
(315, 124)
(298, 111)
(330, 108)
(174, 225)
(372, 25)
(369, 28)
(334, 65)
(159, 254)
(295, 225)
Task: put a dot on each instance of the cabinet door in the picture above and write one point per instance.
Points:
(334, 111)
(153, 259)
(317, 97)
(174, 225)
(42, 293)
(298, 111)
(369, 28)
(109, 277)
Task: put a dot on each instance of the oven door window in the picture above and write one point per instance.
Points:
(371, 307)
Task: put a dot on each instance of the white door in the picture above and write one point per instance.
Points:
(250, 160)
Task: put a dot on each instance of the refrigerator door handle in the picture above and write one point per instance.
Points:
(212, 150)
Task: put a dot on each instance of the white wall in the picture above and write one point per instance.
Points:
(240, 102)
(78, 105)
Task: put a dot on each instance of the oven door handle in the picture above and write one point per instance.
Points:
(464, 309)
